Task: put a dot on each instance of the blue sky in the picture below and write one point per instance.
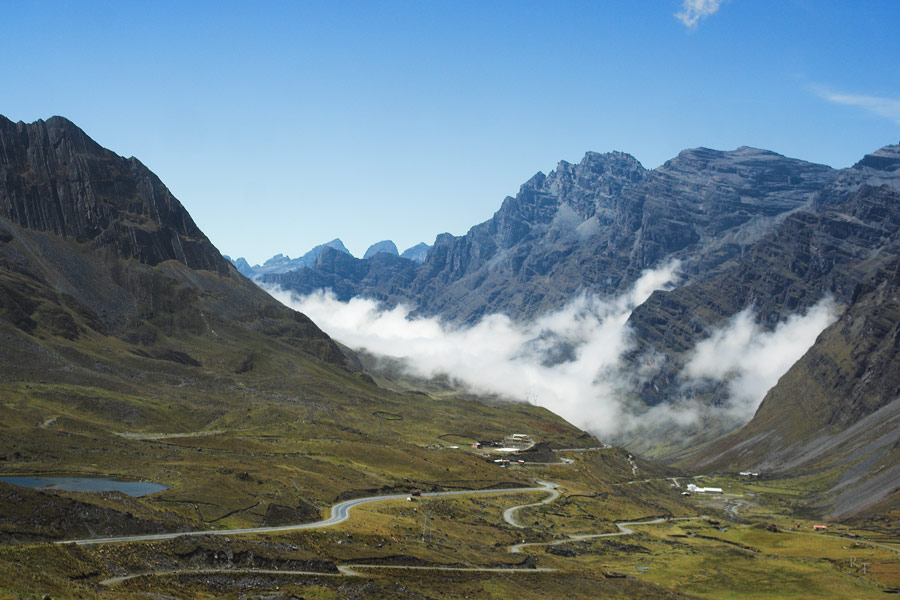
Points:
(280, 125)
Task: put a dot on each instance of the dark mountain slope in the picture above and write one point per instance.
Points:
(596, 226)
(56, 179)
(825, 249)
(93, 241)
(837, 411)
(809, 256)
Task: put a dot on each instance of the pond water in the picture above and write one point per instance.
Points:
(88, 484)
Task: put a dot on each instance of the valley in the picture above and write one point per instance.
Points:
(391, 545)
(287, 464)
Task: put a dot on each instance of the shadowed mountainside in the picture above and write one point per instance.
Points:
(811, 255)
(837, 411)
(92, 240)
(848, 234)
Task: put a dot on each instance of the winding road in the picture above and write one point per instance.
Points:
(340, 512)
(342, 571)
(623, 530)
(509, 515)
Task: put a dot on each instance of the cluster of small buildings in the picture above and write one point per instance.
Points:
(511, 444)
(514, 440)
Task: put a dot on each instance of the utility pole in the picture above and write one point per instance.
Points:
(427, 517)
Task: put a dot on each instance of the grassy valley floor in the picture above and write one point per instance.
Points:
(745, 543)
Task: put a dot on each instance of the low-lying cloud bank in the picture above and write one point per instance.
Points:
(569, 361)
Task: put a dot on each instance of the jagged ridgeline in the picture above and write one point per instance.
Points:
(593, 226)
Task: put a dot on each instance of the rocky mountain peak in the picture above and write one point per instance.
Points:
(536, 181)
(745, 180)
(417, 253)
(708, 159)
(242, 266)
(588, 186)
(610, 160)
(383, 246)
(884, 159)
(276, 260)
(58, 132)
(337, 244)
(445, 239)
(881, 167)
(595, 225)
(94, 244)
(57, 179)
(328, 254)
(281, 263)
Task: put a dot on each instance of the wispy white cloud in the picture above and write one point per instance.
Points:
(878, 105)
(752, 360)
(693, 10)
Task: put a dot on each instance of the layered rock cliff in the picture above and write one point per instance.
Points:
(846, 234)
(596, 226)
(56, 179)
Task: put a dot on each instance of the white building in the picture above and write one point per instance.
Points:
(703, 490)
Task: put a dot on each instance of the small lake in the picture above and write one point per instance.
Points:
(88, 484)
